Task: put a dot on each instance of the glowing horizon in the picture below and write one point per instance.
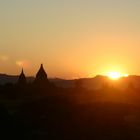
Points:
(114, 75)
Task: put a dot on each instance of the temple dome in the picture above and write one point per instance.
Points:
(41, 75)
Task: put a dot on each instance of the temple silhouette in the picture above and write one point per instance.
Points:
(41, 78)
(22, 79)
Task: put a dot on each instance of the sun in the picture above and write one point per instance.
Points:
(114, 75)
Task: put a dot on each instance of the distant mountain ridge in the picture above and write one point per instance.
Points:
(4, 78)
(89, 83)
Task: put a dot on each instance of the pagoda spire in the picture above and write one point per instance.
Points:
(22, 78)
(41, 76)
(22, 71)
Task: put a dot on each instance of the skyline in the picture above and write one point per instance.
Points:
(71, 38)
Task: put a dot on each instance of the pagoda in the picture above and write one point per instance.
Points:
(41, 76)
(22, 78)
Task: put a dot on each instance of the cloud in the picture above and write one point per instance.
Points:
(23, 63)
(4, 58)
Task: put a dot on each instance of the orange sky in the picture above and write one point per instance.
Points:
(73, 38)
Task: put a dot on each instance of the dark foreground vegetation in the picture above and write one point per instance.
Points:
(41, 111)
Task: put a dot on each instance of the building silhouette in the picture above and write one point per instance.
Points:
(22, 79)
(41, 77)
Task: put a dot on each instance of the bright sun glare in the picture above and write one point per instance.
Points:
(116, 75)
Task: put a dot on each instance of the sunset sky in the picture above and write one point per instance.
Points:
(72, 38)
